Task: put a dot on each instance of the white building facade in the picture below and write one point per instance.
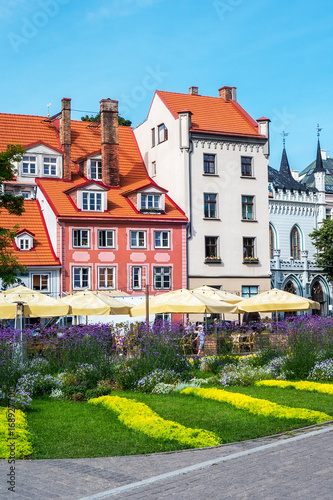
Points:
(213, 157)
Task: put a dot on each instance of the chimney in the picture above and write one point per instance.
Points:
(110, 142)
(194, 90)
(65, 136)
(228, 93)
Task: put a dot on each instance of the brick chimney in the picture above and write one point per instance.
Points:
(65, 136)
(194, 90)
(110, 142)
(228, 93)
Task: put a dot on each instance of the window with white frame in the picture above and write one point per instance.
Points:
(80, 277)
(153, 169)
(106, 277)
(106, 238)
(138, 239)
(40, 282)
(96, 170)
(49, 165)
(29, 165)
(136, 278)
(153, 137)
(162, 133)
(92, 201)
(81, 238)
(162, 239)
(162, 278)
(24, 243)
(150, 201)
(25, 194)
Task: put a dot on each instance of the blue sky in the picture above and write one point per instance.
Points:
(276, 52)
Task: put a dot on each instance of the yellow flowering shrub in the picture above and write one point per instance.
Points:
(140, 417)
(301, 386)
(258, 406)
(14, 435)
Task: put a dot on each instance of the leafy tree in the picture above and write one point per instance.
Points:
(323, 241)
(9, 266)
(97, 119)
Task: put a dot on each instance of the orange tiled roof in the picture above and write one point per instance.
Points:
(31, 220)
(211, 114)
(118, 205)
(25, 130)
(86, 141)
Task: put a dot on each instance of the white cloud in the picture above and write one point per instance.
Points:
(120, 8)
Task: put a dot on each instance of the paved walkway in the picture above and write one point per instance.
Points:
(292, 465)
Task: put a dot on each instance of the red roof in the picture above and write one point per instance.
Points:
(42, 253)
(26, 130)
(86, 141)
(211, 114)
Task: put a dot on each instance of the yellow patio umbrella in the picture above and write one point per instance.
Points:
(7, 310)
(182, 302)
(34, 304)
(276, 300)
(90, 303)
(213, 293)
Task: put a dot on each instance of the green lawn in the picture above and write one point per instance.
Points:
(66, 429)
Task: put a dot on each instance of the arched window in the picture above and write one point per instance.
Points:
(317, 294)
(290, 287)
(271, 242)
(295, 243)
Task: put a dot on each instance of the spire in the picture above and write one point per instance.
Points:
(319, 160)
(285, 175)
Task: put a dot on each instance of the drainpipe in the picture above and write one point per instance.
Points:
(189, 226)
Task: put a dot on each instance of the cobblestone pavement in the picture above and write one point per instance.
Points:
(292, 465)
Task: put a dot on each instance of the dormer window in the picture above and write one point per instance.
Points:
(24, 241)
(92, 201)
(162, 133)
(49, 165)
(29, 165)
(39, 161)
(96, 170)
(149, 201)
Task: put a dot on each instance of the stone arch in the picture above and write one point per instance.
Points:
(298, 289)
(320, 292)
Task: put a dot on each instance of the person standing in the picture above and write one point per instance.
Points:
(201, 338)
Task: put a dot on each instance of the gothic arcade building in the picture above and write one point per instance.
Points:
(295, 209)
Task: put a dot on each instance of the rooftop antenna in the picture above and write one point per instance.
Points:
(48, 109)
(284, 135)
(318, 130)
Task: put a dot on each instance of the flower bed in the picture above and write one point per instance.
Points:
(258, 406)
(14, 429)
(301, 386)
(140, 417)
